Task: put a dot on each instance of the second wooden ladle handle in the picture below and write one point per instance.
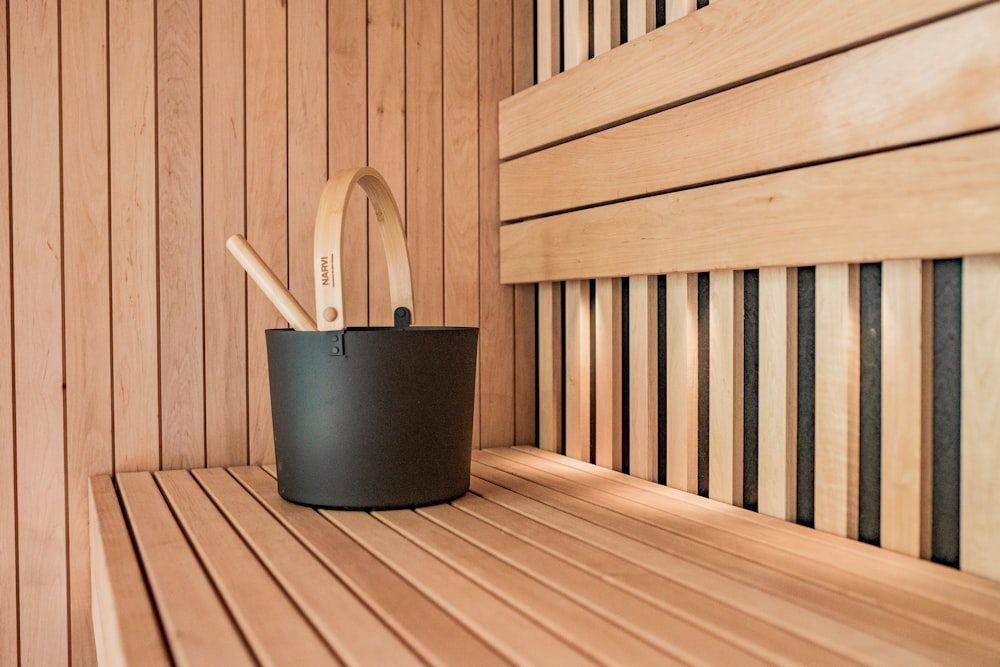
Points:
(273, 288)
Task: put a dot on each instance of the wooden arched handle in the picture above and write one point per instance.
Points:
(329, 241)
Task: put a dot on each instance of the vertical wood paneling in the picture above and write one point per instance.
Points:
(267, 197)
(8, 491)
(134, 293)
(178, 124)
(725, 477)
(224, 181)
(777, 394)
(549, 368)
(607, 25)
(641, 17)
(424, 159)
(905, 511)
(643, 377)
(682, 381)
(386, 135)
(837, 367)
(307, 149)
(575, 32)
(524, 44)
(980, 449)
(547, 48)
(675, 9)
(87, 304)
(608, 372)
(578, 369)
(348, 142)
(37, 315)
(496, 301)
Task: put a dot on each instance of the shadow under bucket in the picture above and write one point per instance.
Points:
(372, 418)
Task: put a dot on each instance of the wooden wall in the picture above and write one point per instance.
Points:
(140, 135)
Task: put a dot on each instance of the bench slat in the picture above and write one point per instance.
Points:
(197, 625)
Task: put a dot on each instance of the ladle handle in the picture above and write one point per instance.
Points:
(273, 288)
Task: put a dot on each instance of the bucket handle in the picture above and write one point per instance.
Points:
(329, 241)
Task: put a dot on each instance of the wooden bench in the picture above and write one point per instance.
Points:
(547, 561)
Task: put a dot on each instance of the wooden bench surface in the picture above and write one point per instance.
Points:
(547, 561)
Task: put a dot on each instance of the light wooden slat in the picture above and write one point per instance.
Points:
(607, 25)
(425, 158)
(267, 197)
(578, 369)
(197, 626)
(643, 377)
(641, 19)
(787, 563)
(725, 343)
(777, 394)
(8, 457)
(549, 367)
(434, 634)
(939, 584)
(575, 31)
(524, 44)
(757, 636)
(980, 454)
(223, 160)
(676, 9)
(584, 630)
(178, 129)
(906, 437)
(884, 206)
(124, 617)
(496, 301)
(871, 630)
(837, 378)
(517, 638)
(87, 303)
(682, 381)
(348, 140)
(323, 599)
(547, 47)
(608, 373)
(135, 339)
(37, 293)
(307, 138)
(386, 135)
(817, 112)
(525, 366)
(697, 52)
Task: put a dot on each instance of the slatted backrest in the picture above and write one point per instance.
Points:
(789, 210)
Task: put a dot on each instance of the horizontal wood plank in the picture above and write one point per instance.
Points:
(897, 91)
(872, 208)
(693, 56)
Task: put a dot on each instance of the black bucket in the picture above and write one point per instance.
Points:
(370, 417)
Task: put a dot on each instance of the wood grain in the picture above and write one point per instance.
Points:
(980, 454)
(608, 373)
(8, 456)
(224, 192)
(905, 440)
(386, 133)
(550, 368)
(575, 20)
(134, 325)
(676, 9)
(524, 44)
(307, 137)
(178, 151)
(848, 104)
(641, 17)
(38, 407)
(547, 45)
(578, 370)
(777, 394)
(425, 158)
(347, 91)
(607, 25)
(883, 206)
(697, 52)
(87, 304)
(837, 378)
(725, 343)
(267, 197)
(643, 394)
(682, 381)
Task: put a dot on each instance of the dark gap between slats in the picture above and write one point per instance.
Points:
(562, 367)
(703, 384)
(626, 412)
(805, 465)
(947, 389)
(702, 4)
(623, 21)
(562, 38)
(661, 12)
(751, 382)
(590, 28)
(870, 410)
(661, 379)
(593, 368)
